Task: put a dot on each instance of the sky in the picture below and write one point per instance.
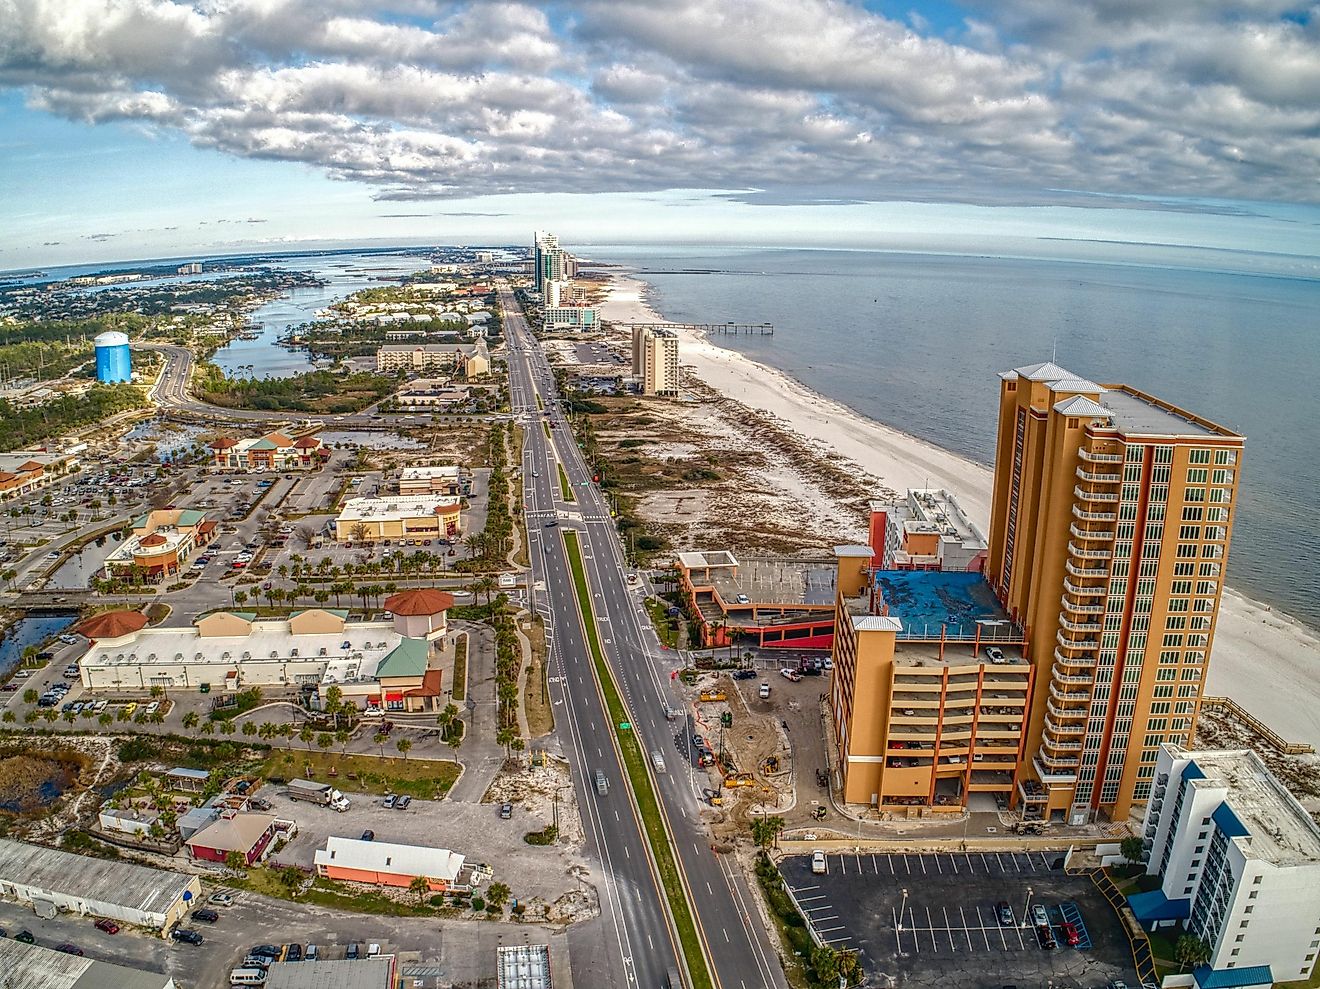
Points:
(155, 128)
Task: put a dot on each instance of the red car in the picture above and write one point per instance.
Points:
(1071, 936)
(109, 926)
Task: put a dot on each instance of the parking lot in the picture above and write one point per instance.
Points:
(924, 920)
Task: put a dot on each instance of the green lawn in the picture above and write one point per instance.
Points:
(327, 893)
(426, 779)
(657, 609)
(565, 489)
(649, 806)
(460, 668)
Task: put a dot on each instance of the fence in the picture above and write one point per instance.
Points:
(1142, 957)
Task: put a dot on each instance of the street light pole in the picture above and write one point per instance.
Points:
(902, 911)
(1026, 910)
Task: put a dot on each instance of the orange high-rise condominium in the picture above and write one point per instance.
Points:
(1109, 535)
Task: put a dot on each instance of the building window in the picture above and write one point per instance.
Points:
(1249, 908)
(1234, 952)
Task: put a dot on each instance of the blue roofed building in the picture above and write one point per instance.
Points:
(1238, 860)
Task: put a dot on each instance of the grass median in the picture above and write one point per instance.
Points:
(634, 762)
(565, 489)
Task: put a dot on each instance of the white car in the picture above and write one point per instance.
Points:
(818, 863)
(791, 675)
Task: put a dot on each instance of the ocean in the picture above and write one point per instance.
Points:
(915, 341)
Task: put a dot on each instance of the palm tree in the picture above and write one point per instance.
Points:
(421, 886)
(380, 738)
(341, 737)
(403, 745)
(307, 735)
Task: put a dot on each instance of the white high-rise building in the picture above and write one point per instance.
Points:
(1238, 860)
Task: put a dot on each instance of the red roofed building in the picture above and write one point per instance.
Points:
(274, 451)
(110, 625)
(420, 613)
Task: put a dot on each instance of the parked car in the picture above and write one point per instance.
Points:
(389, 802)
(109, 926)
(354, 951)
(744, 674)
(293, 952)
(791, 675)
(265, 951)
(69, 948)
(206, 915)
(222, 899)
(403, 802)
(1072, 937)
(818, 863)
(368, 835)
(1038, 915)
(187, 935)
(506, 811)
(27, 937)
(1005, 913)
(1045, 937)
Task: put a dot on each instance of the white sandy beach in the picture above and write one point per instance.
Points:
(1263, 659)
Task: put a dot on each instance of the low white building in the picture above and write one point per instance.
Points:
(53, 881)
(1238, 860)
(385, 863)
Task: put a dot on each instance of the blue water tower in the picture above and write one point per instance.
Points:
(113, 363)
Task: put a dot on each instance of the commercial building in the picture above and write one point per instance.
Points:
(438, 479)
(570, 317)
(191, 268)
(53, 881)
(24, 471)
(522, 966)
(394, 665)
(251, 835)
(377, 972)
(371, 520)
(162, 543)
(431, 394)
(274, 451)
(470, 359)
(30, 966)
(187, 780)
(930, 689)
(1109, 534)
(383, 863)
(655, 360)
(928, 530)
(113, 361)
(1238, 860)
(782, 603)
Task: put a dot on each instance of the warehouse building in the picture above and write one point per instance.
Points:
(383, 863)
(30, 966)
(379, 972)
(53, 881)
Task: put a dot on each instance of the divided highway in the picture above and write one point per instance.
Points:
(726, 908)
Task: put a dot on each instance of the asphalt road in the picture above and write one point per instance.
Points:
(726, 909)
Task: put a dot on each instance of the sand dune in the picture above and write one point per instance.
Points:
(1263, 659)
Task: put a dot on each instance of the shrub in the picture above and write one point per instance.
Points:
(478, 903)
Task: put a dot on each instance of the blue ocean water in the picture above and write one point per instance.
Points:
(915, 341)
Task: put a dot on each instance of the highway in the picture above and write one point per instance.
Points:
(726, 908)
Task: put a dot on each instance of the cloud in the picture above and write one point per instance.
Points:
(798, 100)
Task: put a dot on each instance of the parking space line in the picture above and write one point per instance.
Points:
(908, 862)
(807, 899)
(1043, 860)
(966, 930)
(930, 922)
(948, 927)
(939, 868)
(843, 868)
(859, 863)
(1000, 860)
(954, 862)
(798, 889)
(922, 860)
(889, 855)
(875, 865)
(821, 920)
(986, 862)
(980, 922)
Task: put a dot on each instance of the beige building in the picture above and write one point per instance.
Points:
(440, 479)
(1109, 535)
(471, 359)
(655, 360)
(370, 520)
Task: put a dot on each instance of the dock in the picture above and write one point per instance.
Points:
(736, 329)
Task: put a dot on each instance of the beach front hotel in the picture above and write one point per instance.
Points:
(1051, 679)
(1109, 535)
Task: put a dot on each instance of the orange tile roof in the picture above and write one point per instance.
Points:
(419, 601)
(112, 624)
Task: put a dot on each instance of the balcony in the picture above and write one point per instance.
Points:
(1092, 535)
(1091, 478)
(1032, 792)
(1062, 728)
(1093, 573)
(1077, 662)
(1083, 494)
(1053, 746)
(1073, 607)
(1069, 696)
(1060, 714)
(1090, 456)
(1079, 626)
(1072, 681)
(1088, 554)
(1085, 516)
(1052, 770)
(1083, 591)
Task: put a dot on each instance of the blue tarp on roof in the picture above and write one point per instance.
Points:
(1228, 822)
(1233, 978)
(1155, 906)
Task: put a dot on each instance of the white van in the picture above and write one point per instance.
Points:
(247, 977)
(764, 691)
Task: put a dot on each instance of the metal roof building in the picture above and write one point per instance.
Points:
(30, 966)
(53, 881)
(523, 966)
(363, 973)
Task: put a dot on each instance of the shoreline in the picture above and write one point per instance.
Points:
(1250, 637)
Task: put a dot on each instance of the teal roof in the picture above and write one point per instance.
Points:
(247, 616)
(139, 522)
(263, 444)
(1233, 978)
(408, 659)
(1154, 906)
(190, 516)
(337, 612)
